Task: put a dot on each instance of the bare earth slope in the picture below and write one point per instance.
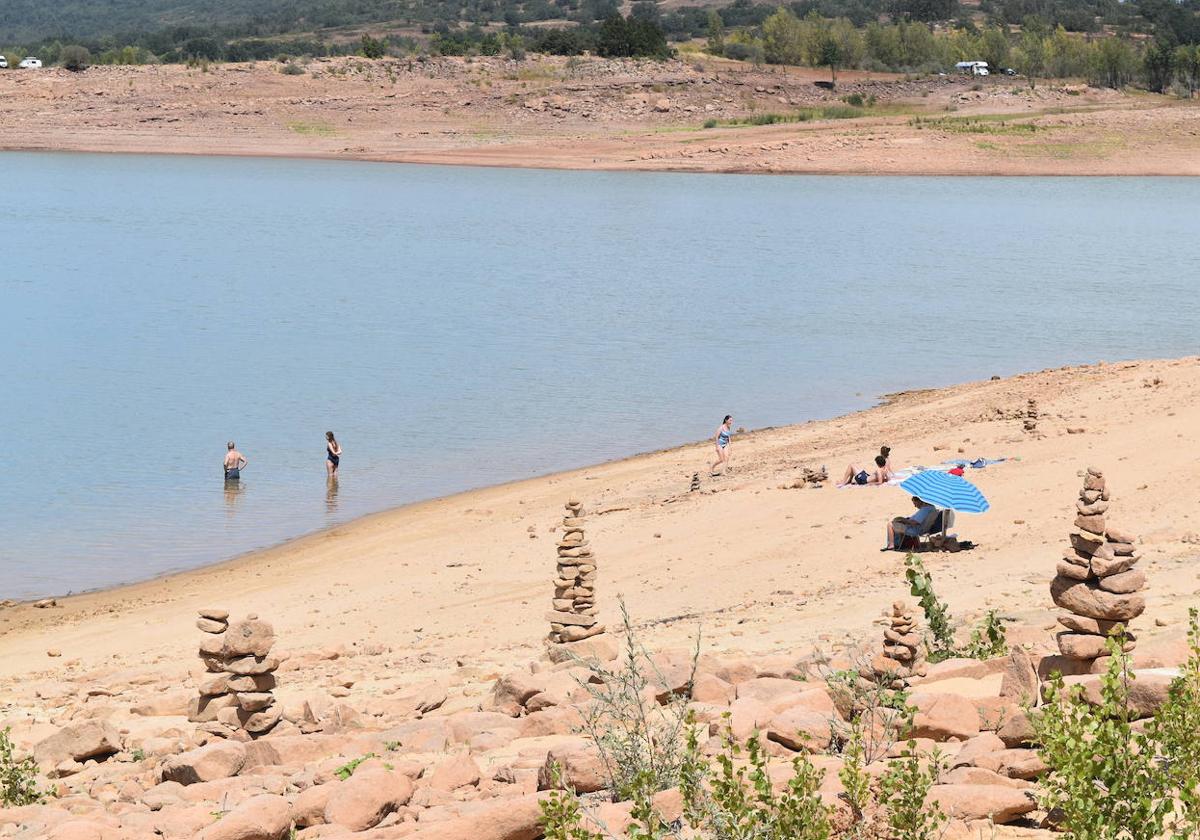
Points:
(467, 578)
(595, 114)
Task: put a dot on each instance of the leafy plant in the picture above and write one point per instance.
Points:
(739, 801)
(1104, 778)
(988, 639)
(904, 791)
(853, 775)
(1174, 730)
(347, 770)
(18, 777)
(562, 816)
(640, 740)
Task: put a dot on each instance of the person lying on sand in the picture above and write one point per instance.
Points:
(881, 475)
(904, 530)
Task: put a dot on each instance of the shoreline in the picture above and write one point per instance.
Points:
(603, 115)
(464, 578)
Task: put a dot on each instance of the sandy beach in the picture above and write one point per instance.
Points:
(465, 579)
(552, 112)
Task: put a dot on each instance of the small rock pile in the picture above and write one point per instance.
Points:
(1096, 582)
(901, 657)
(236, 699)
(809, 477)
(574, 615)
(695, 483)
(1031, 416)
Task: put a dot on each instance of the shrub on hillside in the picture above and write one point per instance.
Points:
(75, 58)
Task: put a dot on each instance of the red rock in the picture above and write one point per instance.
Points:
(798, 728)
(368, 796)
(580, 765)
(78, 742)
(1017, 730)
(512, 691)
(265, 817)
(944, 716)
(1147, 690)
(1102, 567)
(518, 818)
(308, 808)
(1020, 682)
(248, 638)
(981, 744)
(215, 761)
(456, 772)
(1000, 803)
(709, 688)
(1124, 582)
(979, 776)
(1086, 598)
(465, 726)
(1014, 763)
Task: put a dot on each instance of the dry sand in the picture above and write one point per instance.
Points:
(596, 114)
(466, 579)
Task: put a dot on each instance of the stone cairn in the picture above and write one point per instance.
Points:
(1097, 583)
(901, 657)
(1031, 416)
(574, 615)
(236, 699)
(695, 483)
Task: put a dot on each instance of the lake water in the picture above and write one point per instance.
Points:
(459, 327)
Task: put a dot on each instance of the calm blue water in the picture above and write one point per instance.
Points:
(460, 327)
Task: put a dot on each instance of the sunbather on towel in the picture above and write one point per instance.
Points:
(881, 475)
(905, 529)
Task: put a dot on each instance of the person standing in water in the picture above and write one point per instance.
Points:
(333, 454)
(235, 462)
(721, 440)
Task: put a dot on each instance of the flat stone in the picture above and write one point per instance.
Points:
(1083, 624)
(209, 625)
(1087, 599)
(1094, 509)
(1091, 524)
(214, 614)
(252, 665)
(254, 701)
(1094, 482)
(1121, 535)
(1124, 582)
(1122, 549)
(1072, 571)
(1081, 645)
(1102, 567)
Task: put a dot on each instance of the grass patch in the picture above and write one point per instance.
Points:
(312, 129)
(982, 124)
(828, 112)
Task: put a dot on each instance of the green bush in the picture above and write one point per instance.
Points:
(855, 99)
(75, 58)
(988, 639)
(18, 778)
(372, 47)
(904, 791)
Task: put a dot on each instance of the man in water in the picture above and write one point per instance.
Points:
(235, 462)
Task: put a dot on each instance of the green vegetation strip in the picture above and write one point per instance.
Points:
(828, 112)
(984, 124)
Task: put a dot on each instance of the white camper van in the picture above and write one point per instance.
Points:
(972, 68)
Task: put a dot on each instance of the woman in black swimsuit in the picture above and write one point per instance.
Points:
(333, 454)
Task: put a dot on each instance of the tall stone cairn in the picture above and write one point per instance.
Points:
(573, 616)
(1031, 416)
(1096, 582)
(236, 698)
(695, 485)
(901, 657)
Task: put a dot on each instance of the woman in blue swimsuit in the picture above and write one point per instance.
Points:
(722, 443)
(333, 454)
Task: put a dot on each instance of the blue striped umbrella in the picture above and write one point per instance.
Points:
(946, 491)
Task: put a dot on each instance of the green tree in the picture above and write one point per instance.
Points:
(372, 47)
(716, 33)
(783, 38)
(1111, 62)
(1158, 62)
(1031, 57)
(994, 47)
(830, 55)
(1187, 64)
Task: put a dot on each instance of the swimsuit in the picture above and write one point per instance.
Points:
(723, 439)
(333, 459)
(861, 477)
(232, 473)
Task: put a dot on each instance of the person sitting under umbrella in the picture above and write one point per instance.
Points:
(903, 531)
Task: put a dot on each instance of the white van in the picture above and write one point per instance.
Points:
(972, 68)
(3, 63)
(30, 63)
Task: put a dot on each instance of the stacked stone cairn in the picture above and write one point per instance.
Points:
(901, 658)
(236, 699)
(574, 615)
(1031, 416)
(695, 483)
(1097, 583)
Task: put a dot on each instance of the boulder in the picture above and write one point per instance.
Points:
(1017, 730)
(981, 744)
(264, 817)
(1020, 681)
(979, 776)
(368, 796)
(595, 649)
(518, 818)
(455, 772)
(78, 742)
(999, 803)
(248, 638)
(308, 809)
(1014, 763)
(942, 717)
(1083, 624)
(1088, 599)
(798, 728)
(1147, 690)
(512, 691)
(579, 763)
(219, 760)
(708, 688)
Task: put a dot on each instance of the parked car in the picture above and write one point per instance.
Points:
(1008, 71)
(30, 63)
(3, 63)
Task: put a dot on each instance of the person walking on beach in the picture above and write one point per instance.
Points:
(721, 440)
(235, 462)
(333, 454)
